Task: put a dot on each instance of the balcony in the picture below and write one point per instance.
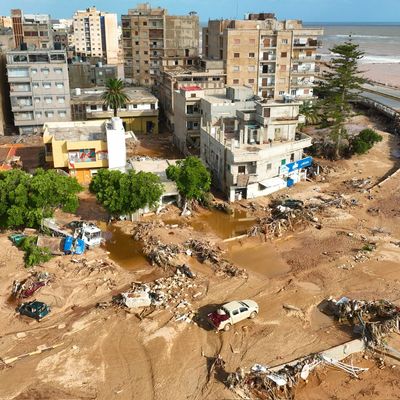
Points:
(304, 72)
(311, 43)
(302, 83)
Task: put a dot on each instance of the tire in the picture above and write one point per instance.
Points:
(227, 327)
(253, 315)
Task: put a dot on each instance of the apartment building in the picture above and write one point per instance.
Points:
(39, 88)
(32, 29)
(86, 75)
(5, 22)
(81, 148)
(251, 146)
(95, 34)
(206, 74)
(151, 37)
(275, 58)
(139, 115)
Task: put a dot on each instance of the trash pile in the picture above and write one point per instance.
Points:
(358, 183)
(282, 216)
(207, 253)
(262, 382)
(174, 293)
(94, 265)
(27, 287)
(142, 230)
(376, 319)
(161, 254)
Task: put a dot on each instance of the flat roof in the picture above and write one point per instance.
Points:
(76, 130)
(137, 95)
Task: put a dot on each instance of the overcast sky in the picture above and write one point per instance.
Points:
(308, 10)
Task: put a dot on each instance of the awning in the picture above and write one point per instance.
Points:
(271, 182)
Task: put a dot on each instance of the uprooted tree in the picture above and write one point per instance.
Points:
(339, 87)
(192, 178)
(125, 193)
(26, 199)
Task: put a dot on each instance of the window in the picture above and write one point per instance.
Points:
(49, 114)
(61, 100)
(252, 41)
(144, 23)
(283, 54)
(48, 100)
(38, 114)
(236, 81)
(243, 309)
(284, 41)
(57, 57)
(59, 85)
(281, 92)
(242, 169)
(18, 72)
(252, 55)
(236, 41)
(251, 68)
(37, 99)
(235, 312)
(93, 107)
(236, 55)
(292, 157)
(62, 114)
(20, 58)
(269, 166)
(45, 71)
(283, 162)
(35, 85)
(33, 71)
(236, 68)
(282, 68)
(58, 70)
(46, 85)
(251, 81)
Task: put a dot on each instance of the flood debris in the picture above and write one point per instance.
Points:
(263, 382)
(27, 287)
(161, 254)
(205, 252)
(374, 319)
(142, 230)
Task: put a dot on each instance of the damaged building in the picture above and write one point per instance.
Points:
(252, 146)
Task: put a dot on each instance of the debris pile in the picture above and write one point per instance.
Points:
(161, 254)
(262, 382)
(95, 265)
(30, 285)
(142, 230)
(377, 318)
(357, 183)
(174, 293)
(207, 253)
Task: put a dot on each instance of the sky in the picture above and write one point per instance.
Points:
(307, 10)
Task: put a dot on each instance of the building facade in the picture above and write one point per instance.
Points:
(81, 148)
(275, 58)
(252, 147)
(95, 34)
(151, 37)
(39, 88)
(32, 29)
(140, 114)
(86, 75)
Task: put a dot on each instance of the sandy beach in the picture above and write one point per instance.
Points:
(388, 74)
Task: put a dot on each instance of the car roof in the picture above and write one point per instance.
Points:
(233, 305)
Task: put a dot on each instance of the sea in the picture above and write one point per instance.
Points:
(379, 42)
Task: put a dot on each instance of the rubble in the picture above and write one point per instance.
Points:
(142, 230)
(30, 285)
(161, 254)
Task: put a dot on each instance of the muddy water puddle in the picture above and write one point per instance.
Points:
(123, 249)
(261, 258)
(222, 224)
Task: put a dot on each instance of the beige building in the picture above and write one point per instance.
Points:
(5, 22)
(139, 115)
(95, 34)
(32, 29)
(151, 38)
(277, 59)
(252, 147)
(39, 88)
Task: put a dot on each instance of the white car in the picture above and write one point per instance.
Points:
(233, 312)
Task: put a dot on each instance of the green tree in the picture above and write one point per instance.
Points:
(365, 140)
(310, 112)
(192, 178)
(34, 255)
(123, 194)
(115, 96)
(26, 199)
(339, 86)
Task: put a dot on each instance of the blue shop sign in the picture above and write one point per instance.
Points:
(303, 163)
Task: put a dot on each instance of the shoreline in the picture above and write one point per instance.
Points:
(386, 74)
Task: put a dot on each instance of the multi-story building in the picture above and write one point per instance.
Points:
(95, 34)
(61, 29)
(139, 115)
(81, 148)
(206, 74)
(39, 88)
(151, 38)
(251, 146)
(32, 29)
(274, 58)
(86, 75)
(5, 22)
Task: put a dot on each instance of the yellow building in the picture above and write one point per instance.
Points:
(140, 114)
(81, 148)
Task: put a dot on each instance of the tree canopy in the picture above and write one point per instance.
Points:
(25, 199)
(124, 193)
(365, 140)
(115, 96)
(339, 86)
(192, 178)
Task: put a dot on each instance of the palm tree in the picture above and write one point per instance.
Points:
(114, 96)
(310, 112)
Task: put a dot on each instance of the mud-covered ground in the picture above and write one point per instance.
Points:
(113, 354)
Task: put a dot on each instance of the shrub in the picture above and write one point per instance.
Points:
(365, 141)
(34, 255)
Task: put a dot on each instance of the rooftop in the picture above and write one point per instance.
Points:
(190, 88)
(76, 130)
(137, 95)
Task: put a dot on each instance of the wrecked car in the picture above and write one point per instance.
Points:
(34, 309)
(233, 312)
